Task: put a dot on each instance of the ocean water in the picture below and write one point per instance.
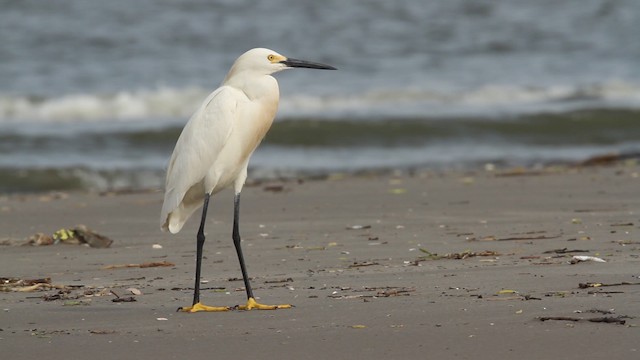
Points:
(93, 94)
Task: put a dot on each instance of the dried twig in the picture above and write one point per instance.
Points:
(564, 251)
(541, 237)
(143, 265)
(357, 264)
(27, 285)
(605, 319)
(594, 285)
(380, 292)
(278, 281)
(456, 256)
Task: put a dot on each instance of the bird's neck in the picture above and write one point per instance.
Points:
(255, 87)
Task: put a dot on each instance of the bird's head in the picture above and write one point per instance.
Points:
(267, 62)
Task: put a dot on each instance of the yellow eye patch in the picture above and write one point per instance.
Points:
(276, 58)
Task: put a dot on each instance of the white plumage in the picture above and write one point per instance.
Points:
(213, 150)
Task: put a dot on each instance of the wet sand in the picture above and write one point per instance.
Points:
(369, 263)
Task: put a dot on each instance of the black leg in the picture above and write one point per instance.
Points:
(199, 246)
(236, 242)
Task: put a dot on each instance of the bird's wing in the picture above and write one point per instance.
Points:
(198, 146)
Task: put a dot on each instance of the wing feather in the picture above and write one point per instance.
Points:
(196, 150)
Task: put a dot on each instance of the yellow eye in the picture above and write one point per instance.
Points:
(271, 58)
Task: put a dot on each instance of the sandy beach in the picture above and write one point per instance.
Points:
(404, 266)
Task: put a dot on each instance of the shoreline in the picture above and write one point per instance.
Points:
(34, 181)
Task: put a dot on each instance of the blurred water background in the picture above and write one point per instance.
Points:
(93, 94)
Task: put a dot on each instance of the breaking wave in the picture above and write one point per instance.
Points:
(166, 102)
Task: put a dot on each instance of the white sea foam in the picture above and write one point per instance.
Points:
(124, 105)
(169, 102)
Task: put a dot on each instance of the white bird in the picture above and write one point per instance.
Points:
(213, 151)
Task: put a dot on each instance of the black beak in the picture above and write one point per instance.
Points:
(295, 63)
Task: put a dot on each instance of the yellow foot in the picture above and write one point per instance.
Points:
(199, 307)
(252, 304)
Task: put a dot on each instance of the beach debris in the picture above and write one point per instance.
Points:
(564, 251)
(465, 234)
(156, 246)
(601, 311)
(78, 235)
(580, 258)
(388, 292)
(64, 294)
(54, 297)
(606, 319)
(513, 296)
(280, 281)
(380, 292)
(603, 292)
(46, 334)
(134, 291)
(596, 285)
(358, 227)
(455, 256)
(67, 294)
(214, 288)
(25, 285)
(507, 295)
(609, 209)
(609, 159)
(622, 224)
(358, 326)
(39, 239)
(81, 235)
(357, 264)
(102, 332)
(142, 266)
(540, 237)
(122, 299)
(520, 171)
(516, 238)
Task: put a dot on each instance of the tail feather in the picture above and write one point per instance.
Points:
(174, 217)
(175, 220)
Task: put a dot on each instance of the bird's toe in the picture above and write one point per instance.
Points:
(252, 304)
(201, 307)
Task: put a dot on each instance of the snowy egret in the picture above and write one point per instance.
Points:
(213, 151)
